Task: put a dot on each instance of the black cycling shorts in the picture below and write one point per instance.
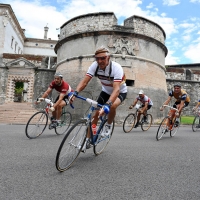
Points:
(148, 107)
(65, 99)
(178, 102)
(103, 97)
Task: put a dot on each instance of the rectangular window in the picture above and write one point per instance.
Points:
(12, 40)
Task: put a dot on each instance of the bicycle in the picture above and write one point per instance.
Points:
(196, 121)
(75, 138)
(168, 124)
(38, 121)
(130, 120)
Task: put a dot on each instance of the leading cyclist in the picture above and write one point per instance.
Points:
(182, 100)
(62, 99)
(114, 88)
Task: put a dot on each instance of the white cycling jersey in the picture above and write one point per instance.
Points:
(117, 75)
(145, 99)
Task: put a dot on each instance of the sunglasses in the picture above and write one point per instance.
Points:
(100, 58)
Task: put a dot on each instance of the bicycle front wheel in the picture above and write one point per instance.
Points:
(175, 128)
(147, 124)
(162, 129)
(66, 119)
(101, 143)
(196, 124)
(71, 145)
(36, 125)
(129, 123)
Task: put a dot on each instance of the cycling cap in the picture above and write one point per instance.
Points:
(141, 92)
(58, 74)
(177, 84)
(101, 50)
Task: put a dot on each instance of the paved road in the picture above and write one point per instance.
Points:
(134, 166)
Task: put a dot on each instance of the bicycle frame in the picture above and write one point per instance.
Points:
(171, 116)
(94, 106)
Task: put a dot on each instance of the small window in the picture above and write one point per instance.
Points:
(129, 82)
(51, 45)
(12, 40)
(15, 47)
(36, 44)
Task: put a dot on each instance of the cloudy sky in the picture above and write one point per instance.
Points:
(180, 20)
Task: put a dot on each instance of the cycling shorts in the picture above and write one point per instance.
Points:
(178, 102)
(148, 107)
(103, 97)
(65, 99)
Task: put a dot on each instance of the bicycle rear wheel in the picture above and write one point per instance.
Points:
(147, 124)
(175, 128)
(66, 119)
(129, 123)
(101, 143)
(71, 145)
(196, 124)
(36, 125)
(162, 129)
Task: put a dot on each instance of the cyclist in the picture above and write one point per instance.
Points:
(114, 88)
(197, 107)
(146, 105)
(182, 101)
(62, 99)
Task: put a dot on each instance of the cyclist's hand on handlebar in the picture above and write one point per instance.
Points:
(39, 100)
(72, 96)
(52, 109)
(131, 107)
(104, 110)
(161, 108)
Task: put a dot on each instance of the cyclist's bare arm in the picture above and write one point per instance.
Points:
(142, 110)
(115, 92)
(47, 92)
(81, 86)
(61, 96)
(134, 103)
(166, 103)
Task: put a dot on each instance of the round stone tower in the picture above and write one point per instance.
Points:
(138, 46)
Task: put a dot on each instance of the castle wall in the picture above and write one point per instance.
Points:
(138, 46)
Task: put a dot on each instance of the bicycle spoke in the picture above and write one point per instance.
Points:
(147, 124)
(196, 124)
(162, 129)
(101, 143)
(129, 123)
(36, 125)
(71, 145)
(64, 124)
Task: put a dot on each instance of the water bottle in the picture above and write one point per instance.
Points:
(94, 129)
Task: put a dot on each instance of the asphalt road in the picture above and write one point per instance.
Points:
(133, 166)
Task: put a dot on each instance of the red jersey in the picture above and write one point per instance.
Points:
(64, 88)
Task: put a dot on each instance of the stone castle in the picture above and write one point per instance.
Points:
(138, 45)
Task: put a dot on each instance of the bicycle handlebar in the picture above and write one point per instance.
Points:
(170, 107)
(90, 101)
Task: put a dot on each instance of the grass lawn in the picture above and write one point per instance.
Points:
(187, 119)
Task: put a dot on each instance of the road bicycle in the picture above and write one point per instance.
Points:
(196, 121)
(168, 123)
(38, 122)
(131, 119)
(74, 140)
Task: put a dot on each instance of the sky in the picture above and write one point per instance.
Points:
(180, 19)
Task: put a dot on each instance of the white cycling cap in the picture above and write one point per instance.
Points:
(141, 92)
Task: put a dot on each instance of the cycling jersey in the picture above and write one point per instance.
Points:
(117, 75)
(64, 88)
(144, 100)
(182, 96)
